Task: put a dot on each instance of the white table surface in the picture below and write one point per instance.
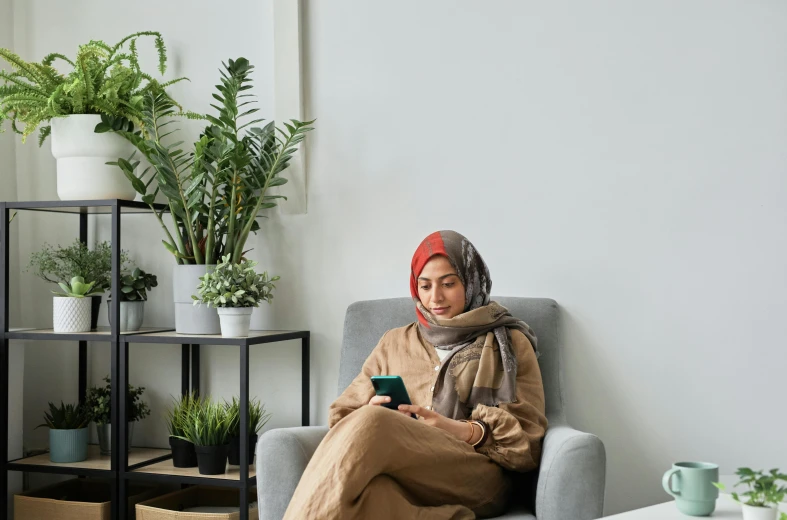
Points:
(726, 507)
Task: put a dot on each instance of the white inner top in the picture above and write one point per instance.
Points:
(442, 354)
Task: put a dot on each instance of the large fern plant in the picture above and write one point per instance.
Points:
(217, 190)
(102, 79)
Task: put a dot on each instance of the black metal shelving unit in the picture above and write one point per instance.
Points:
(147, 465)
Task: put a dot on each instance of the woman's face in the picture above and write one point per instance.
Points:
(440, 289)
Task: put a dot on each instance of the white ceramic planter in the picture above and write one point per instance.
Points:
(82, 154)
(190, 318)
(131, 315)
(759, 513)
(71, 314)
(235, 321)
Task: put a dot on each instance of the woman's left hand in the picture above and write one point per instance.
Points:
(461, 430)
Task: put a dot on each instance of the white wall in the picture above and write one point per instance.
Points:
(626, 159)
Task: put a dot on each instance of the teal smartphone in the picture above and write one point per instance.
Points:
(393, 387)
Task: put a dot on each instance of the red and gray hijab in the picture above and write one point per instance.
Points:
(479, 338)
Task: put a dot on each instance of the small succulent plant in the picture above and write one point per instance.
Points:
(234, 285)
(134, 286)
(77, 288)
(66, 417)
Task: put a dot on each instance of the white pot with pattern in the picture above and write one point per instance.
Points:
(71, 314)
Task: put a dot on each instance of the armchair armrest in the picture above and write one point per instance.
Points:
(282, 456)
(572, 475)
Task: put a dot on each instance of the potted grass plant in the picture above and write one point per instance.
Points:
(206, 426)
(101, 79)
(60, 264)
(67, 432)
(761, 500)
(134, 287)
(257, 419)
(215, 191)
(98, 401)
(234, 290)
(183, 453)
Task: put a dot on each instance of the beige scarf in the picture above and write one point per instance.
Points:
(481, 368)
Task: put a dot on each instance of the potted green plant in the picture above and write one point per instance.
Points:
(761, 501)
(183, 453)
(98, 401)
(216, 191)
(134, 287)
(234, 290)
(101, 79)
(207, 427)
(257, 419)
(67, 432)
(71, 308)
(60, 264)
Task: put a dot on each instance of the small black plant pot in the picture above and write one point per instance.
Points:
(95, 306)
(183, 454)
(234, 453)
(212, 460)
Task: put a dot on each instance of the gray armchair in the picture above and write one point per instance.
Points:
(570, 482)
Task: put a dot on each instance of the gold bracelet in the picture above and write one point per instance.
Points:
(472, 432)
(483, 433)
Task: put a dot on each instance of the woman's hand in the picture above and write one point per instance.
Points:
(379, 400)
(459, 429)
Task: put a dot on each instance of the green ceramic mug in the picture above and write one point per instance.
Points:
(691, 483)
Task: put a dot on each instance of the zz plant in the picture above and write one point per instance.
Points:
(234, 285)
(101, 79)
(216, 190)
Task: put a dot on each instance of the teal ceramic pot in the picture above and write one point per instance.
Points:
(68, 445)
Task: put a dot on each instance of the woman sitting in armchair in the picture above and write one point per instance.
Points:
(471, 371)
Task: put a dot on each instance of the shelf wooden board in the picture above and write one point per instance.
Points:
(254, 337)
(95, 461)
(166, 468)
(101, 331)
(86, 207)
(252, 334)
(101, 334)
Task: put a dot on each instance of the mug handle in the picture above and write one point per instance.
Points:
(665, 482)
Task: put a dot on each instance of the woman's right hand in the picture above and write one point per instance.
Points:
(379, 400)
